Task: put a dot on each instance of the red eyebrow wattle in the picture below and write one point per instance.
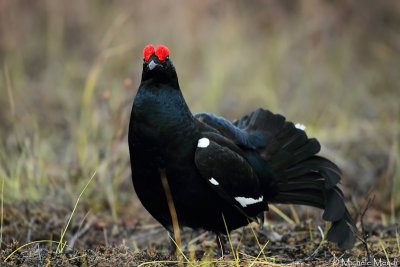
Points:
(161, 52)
(148, 51)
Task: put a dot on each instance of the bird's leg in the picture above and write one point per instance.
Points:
(172, 245)
(220, 243)
(261, 220)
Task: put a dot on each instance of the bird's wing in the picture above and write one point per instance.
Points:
(239, 136)
(229, 174)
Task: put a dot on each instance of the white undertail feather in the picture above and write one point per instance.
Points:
(246, 201)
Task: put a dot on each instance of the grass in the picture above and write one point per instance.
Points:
(60, 245)
(68, 83)
(248, 260)
(61, 248)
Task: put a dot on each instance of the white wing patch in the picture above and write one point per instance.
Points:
(203, 142)
(213, 181)
(300, 126)
(246, 201)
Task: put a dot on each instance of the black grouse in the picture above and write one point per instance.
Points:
(214, 166)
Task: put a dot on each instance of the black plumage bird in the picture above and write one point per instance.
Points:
(216, 167)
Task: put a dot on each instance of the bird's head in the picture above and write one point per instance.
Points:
(157, 65)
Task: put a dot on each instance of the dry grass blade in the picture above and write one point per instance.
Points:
(310, 232)
(9, 91)
(294, 214)
(384, 250)
(280, 213)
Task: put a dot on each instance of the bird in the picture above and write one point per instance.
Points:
(222, 174)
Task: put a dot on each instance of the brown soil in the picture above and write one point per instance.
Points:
(98, 241)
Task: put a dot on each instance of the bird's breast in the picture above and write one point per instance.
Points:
(159, 130)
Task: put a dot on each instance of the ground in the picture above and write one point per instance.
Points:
(95, 240)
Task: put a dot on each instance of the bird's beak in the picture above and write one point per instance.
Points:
(152, 65)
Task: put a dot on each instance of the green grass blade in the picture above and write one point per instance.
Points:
(72, 214)
(230, 241)
(30, 243)
(180, 251)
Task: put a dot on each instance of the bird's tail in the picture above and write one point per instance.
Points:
(301, 177)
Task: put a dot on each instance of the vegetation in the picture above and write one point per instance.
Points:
(68, 75)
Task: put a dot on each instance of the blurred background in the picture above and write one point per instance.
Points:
(69, 71)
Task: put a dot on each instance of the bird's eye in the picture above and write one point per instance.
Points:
(167, 57)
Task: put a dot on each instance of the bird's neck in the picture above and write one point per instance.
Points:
(161, 116)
